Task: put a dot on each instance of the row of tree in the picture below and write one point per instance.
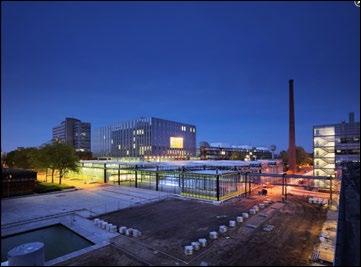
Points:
(302, 157)
(56, 157)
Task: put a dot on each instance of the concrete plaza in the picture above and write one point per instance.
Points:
(85, 202)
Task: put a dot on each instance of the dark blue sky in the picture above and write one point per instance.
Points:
(221, 66)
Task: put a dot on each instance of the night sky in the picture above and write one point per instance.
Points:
(221, 66)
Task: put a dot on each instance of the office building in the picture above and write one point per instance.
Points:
(73, 132)
(221, 151)
(145, 138)
(334, 144)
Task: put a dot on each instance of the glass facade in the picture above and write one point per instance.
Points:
(145, 138)
(334, 144)
(324, 151)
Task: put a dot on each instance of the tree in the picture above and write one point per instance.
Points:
(284, 156)
(236, 155)
(3, 159)
(61, 157)
(40, 161)
(302, 157)
(21, 158)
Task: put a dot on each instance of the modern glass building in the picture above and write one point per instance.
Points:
(73, 132)
(334, 144)
(145, 138)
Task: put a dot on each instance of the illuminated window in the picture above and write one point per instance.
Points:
(134, 146)
(223, 152)
(119, 147)
(184, 128)
(176, 142)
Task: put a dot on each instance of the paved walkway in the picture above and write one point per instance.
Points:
(87, 202)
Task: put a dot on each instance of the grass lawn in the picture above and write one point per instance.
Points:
(43, 187)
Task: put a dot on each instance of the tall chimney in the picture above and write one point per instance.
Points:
(351, 117)
(292, 138)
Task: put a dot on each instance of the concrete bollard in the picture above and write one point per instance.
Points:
(203, 242)
(232, 223)
(261, 206)
(188, 250)
(245, 215)
(239, 219)
(127, 232)
(222, 229)
(213, 235)
(113, 229)
(104, 225)
(109, 225)
(136, 233)
(256, 208)
(122, 230)
(195, 245)
(252, 211)
(96, 221)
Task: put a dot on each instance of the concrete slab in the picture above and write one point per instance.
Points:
(87, 202)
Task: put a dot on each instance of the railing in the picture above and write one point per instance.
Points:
(286, 178)
(198, 181)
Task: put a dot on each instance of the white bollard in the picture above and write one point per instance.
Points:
(113, 229)
(104, 225)
(239, 219)
(96, 221)
(222, 229)
(129, 232)
(252, 211)
(213, 235)
(232, 223)
(261, 206)
(195, 245)
(188, 250)
(203, 242)
(122, 230)
(136, 233)
(255, 207)
(245, 215)
(109, 225)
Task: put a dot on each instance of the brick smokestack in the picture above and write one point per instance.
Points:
(292, 168)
